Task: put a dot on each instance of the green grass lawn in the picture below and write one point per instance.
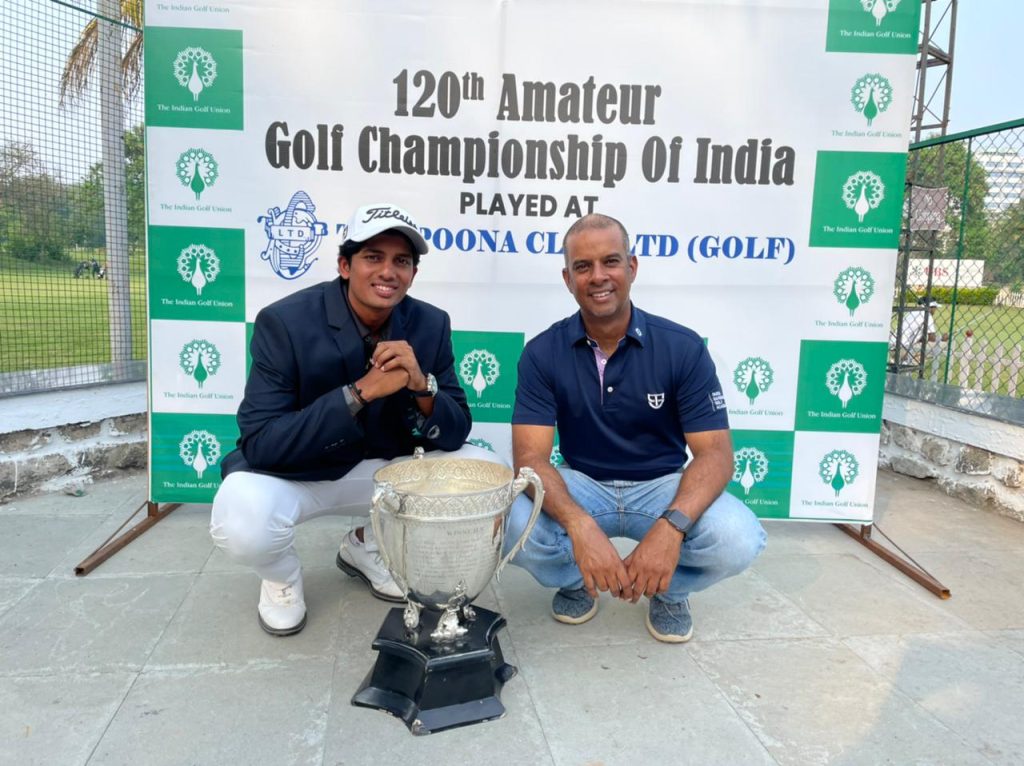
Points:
(50, 319)
(997, 333)
(991, 325)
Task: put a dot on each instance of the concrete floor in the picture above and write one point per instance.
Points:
(821, 653)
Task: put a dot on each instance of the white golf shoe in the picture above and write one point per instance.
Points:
(362, 560)
(282, 608)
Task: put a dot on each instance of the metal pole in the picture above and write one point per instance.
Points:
(113, 544)
(115, 199)
(862, 534)
(964, 209)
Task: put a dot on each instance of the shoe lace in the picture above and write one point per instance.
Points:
(675, 610)
(382, 572)
(287, 596)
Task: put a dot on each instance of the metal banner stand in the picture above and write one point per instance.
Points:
(110, 546)
(862, 534)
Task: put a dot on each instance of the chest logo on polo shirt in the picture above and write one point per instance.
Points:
(656, 400)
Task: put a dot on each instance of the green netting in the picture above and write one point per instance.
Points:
(963, 249)
(72, 281)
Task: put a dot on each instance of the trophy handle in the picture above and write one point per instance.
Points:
(384, 496)
(526, 477)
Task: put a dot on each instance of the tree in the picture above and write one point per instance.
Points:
(91, 189)
(946, 165)
(100, 45)
(82, 61)
(87, 201)
(18, 160)
(1007, 260)
(34, 206)
(135, 183)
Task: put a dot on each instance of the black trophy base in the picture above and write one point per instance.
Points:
(433, 688)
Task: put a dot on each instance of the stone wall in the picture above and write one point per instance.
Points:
(980, 463)
(68, 457)
(979, 460)
(41, 451)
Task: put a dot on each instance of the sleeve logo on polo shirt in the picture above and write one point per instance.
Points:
(656, 400)
(717, 400)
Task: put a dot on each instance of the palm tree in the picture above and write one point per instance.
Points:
(99, 45)
(82, 59)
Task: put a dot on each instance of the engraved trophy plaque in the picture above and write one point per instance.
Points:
(440, 525)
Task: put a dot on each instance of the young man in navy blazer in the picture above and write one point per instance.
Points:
(346, 375)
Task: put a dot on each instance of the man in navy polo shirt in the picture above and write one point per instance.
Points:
(629, 393)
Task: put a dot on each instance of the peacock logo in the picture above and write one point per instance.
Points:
(199, 359)
(199, 450)
(853, 287)
(846, 379)
(863, 192)
(871, 95)
(879, 9)
(838, 469)
(753, 376)
(479, 369)
(195, 69)
(750, 467)
(198, 170)
(198, 265)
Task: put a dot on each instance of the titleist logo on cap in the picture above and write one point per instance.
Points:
(387, 212)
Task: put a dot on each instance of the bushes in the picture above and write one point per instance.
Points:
(36, 247)
(966, 296)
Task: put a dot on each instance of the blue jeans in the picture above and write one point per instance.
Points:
(723, 542)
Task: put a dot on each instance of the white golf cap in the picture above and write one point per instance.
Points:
(370, 220)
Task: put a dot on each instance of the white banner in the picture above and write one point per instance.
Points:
(755, 150)
(946, 273)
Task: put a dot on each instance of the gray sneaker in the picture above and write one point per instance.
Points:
(669, 622)
(573, 607)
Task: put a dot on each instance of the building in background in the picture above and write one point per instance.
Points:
(1004, 172)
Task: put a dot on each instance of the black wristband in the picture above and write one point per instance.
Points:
(357, 394)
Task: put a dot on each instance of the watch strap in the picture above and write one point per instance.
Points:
(679, 520)
(430, 390)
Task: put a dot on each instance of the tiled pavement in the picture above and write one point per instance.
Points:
(821, 653)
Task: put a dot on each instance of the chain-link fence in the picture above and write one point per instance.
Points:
(958, 315)
(72, 205)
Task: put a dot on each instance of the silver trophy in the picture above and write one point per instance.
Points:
(440, 526)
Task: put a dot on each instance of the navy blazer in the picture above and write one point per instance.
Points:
(294, 420)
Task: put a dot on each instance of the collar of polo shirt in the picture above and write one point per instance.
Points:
(637, 328)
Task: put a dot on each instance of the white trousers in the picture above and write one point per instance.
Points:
(254, 515)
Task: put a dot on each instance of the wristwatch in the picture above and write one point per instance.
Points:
(679, 520)
(431, 389)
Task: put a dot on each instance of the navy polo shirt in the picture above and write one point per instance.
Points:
(658, 385)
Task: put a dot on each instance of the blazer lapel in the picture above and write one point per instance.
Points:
(399, 331)
(346, 336)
